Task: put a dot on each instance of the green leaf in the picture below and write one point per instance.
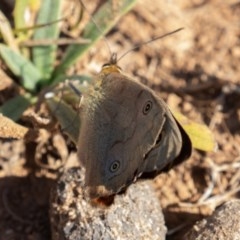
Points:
(21, 67)
(68, 118)
(19, 13)
(105, 18)
(20, 9)
(63, 108)
(44, 56)
(15, 107)
(200, 135)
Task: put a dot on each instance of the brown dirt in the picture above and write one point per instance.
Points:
(196, 71)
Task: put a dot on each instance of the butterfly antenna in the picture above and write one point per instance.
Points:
(98, 28)
(149, 41)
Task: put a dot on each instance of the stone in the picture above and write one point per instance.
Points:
(136, 214)
(223, 224)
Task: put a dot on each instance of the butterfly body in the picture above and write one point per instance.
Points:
(126, 131)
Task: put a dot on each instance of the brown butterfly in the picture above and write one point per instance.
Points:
(127, 131)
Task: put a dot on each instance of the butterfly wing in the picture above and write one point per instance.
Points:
(172, 147)
(121, 125)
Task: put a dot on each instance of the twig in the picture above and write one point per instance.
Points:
(176, 229)
(61, 41)
(216, 200)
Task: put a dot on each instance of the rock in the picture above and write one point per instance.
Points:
(223, 224)
(134, 215)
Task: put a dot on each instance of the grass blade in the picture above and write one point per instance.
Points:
(21, 67)
(15, 107)
(19, 13)
(22, 9)
(44, 56)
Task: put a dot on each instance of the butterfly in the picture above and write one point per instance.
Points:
(127, 132)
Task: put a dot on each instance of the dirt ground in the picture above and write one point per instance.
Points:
(196, 71)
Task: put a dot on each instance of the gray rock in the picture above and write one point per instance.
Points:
(134, 215)
(223, 224)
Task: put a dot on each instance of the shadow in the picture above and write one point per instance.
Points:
(24, 201)
(24, 208)
(7, 7)
(199, 84)
(184, 219)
